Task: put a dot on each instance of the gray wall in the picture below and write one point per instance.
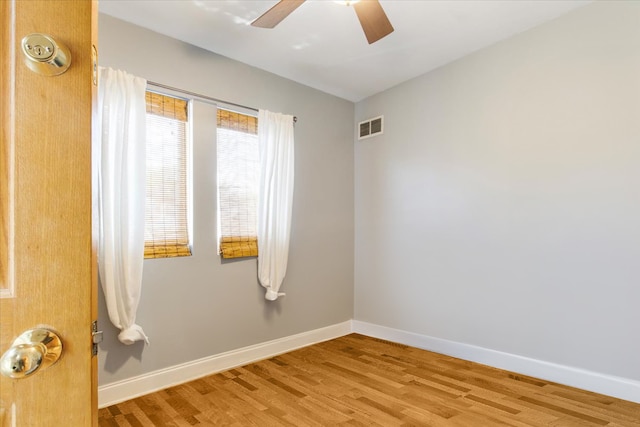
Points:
(501, 207)
(198, 306)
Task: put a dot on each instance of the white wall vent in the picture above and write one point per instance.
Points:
(371, 127)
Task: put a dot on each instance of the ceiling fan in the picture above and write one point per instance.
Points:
(373, 20)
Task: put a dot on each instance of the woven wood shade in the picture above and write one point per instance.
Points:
(166, 251)
(166, 226)
(166, 106)
(238, 168)
(237, 121)
(238, 247)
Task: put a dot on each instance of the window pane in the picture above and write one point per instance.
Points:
(238, 168)
(166, 226)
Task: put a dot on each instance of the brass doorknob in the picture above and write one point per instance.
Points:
(32, 351)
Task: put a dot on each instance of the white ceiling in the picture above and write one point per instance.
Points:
(321, 44)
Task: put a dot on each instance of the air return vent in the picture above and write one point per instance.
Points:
(371, 127)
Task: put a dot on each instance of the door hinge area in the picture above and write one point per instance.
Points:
(96, 337)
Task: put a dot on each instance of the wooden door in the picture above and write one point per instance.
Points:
(47, 243)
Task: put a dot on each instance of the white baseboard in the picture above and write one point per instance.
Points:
(609, 385)
(130, 388)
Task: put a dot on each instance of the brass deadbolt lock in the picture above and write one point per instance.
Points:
(44, 55)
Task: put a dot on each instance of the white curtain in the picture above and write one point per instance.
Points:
(275, 199)
(121, 196)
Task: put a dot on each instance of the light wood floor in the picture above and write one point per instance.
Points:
(357, 381)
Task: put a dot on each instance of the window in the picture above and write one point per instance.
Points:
(166, 231)
(238, 169)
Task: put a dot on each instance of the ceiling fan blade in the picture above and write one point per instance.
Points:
(277, 13)
(374, 21)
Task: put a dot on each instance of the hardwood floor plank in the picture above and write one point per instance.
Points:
(362, 381)
(595, 405)
(421, 386)
(437, 407)
(133, 420)
(448, 385)
(493, 404)
(563, 410)
(330, 415)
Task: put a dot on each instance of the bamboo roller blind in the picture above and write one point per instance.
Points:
(166, 227)
(237, 121)
(166, 106)
(238, 169)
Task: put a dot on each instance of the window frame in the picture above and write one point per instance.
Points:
(236, 246)
(181, 248)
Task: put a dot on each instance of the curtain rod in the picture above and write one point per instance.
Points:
(208, 98)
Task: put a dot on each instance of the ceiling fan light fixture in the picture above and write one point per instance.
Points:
(346, 2)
